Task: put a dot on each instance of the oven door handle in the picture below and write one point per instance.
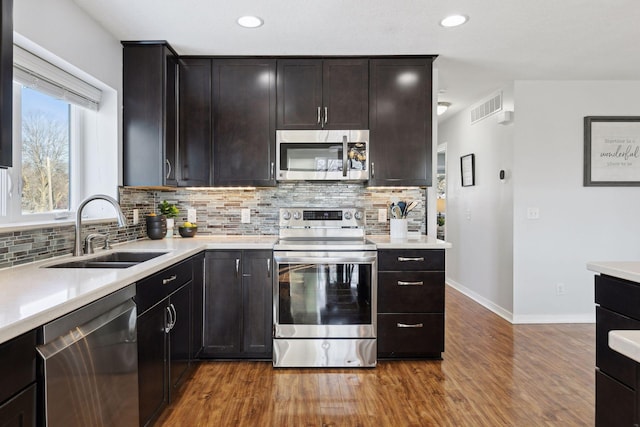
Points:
(324, 258)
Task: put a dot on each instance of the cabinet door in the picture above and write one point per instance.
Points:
(223, 303)
(20, 410)
(400, 120)
(149, 114)
(257, 307)
(345, 94)
(152, 377)
(195, 122)
(179, 335)
(244, 117)
(299, 93)
(6, 82)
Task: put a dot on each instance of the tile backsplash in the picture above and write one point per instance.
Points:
(218, 213)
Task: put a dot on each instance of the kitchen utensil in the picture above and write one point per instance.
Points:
(403, 206)
(414, 204)
(396, 212)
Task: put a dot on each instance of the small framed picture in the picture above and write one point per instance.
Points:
(467, 166)
(611, 151)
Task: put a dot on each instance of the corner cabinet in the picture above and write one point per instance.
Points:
(150, 76)
(400, 118)
(244, 110)
(6, 83)
(238, 305)
(410, 303)
(617, 376)
(323, 93)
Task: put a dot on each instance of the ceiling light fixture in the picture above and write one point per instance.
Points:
(443, 107)
(453, 21)
(250, 21)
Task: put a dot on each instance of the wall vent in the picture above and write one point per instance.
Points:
(486, 108)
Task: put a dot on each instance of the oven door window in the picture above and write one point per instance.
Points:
(324, 294)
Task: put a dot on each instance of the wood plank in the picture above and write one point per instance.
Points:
(492, 373)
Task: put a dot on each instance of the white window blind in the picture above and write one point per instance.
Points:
(34, 72)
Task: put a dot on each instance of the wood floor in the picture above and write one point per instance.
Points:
(492, 374)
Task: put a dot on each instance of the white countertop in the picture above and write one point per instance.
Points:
(33, 295)
(628, 270)
(626, 343)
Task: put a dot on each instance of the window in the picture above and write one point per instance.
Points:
(57, 148)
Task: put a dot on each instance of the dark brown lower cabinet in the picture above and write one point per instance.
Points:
(410, 303)
(238, 305)
(165, 302)
(617, 376)
(18, 373)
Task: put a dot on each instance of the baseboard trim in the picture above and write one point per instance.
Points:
(523, 318)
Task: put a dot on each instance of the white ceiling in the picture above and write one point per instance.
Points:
(504, 40)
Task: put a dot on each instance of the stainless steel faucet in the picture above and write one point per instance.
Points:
(121, 219)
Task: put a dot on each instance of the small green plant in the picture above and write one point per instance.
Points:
(168, 209)
(440, 220)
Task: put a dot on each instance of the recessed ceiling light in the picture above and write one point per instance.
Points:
(454, 20)
(250, 21)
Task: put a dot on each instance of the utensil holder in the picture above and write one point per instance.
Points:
(398, 228)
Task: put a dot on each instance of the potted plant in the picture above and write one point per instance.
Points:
(170, 211)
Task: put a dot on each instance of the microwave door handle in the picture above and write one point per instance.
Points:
(344, 155)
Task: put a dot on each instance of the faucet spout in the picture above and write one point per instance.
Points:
(77, 251)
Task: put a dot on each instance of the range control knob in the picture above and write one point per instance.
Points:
(358, 215)
(296, 215)
(286, 215)
(347, 215)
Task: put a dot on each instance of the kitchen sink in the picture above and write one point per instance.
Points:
(111, 260)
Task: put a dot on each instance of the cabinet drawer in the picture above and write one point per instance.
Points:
(410, 335)
(618, 295)
(615, 403)
(411, 292)
(151, 290)
(20, 410)
(608, 360)
(411, 259)
(18, 367)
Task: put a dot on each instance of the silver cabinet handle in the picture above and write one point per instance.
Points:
(168, 168)
(273, 169)
(269, 267)
(237, 266)
(326, 115)
(404, 259)
(344, 155)
(169, 279)
(401, 283)
(169, 325)
(373, 170)
(175, 315)
(415, 325)
(319, 115)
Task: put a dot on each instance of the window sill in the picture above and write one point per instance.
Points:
(35, 225)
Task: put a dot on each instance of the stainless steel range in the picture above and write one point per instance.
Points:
(325, 292)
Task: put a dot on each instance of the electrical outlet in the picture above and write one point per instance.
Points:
(191, 216)
(533, 213)
(561, 289)
(136, 217)
(382, 215)
(245, 216)
(467, 213)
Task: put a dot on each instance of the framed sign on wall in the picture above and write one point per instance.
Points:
(467, 166)
(611, 151)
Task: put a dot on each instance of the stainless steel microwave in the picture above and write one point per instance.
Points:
(322, 155)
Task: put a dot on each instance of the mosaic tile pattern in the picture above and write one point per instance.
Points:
(218, 213)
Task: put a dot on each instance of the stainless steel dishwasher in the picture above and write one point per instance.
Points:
(90, 359)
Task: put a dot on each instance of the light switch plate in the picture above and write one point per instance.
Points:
(191, 216)
(382, 215)
(245, 216)
(136, 217)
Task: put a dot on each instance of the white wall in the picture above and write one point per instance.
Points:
(479, 218)
(59, 31)
(577, 224)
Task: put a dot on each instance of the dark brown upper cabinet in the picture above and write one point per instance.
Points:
(150, 71)
(195, 123)
(244, 108)
(6, 82)
(400, 115)
(323, 94)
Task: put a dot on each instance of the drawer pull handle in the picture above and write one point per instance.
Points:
(170, 279)
(401, 283)
(403, 259)
(404, 325)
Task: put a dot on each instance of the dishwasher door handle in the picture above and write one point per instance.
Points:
(82, 331)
